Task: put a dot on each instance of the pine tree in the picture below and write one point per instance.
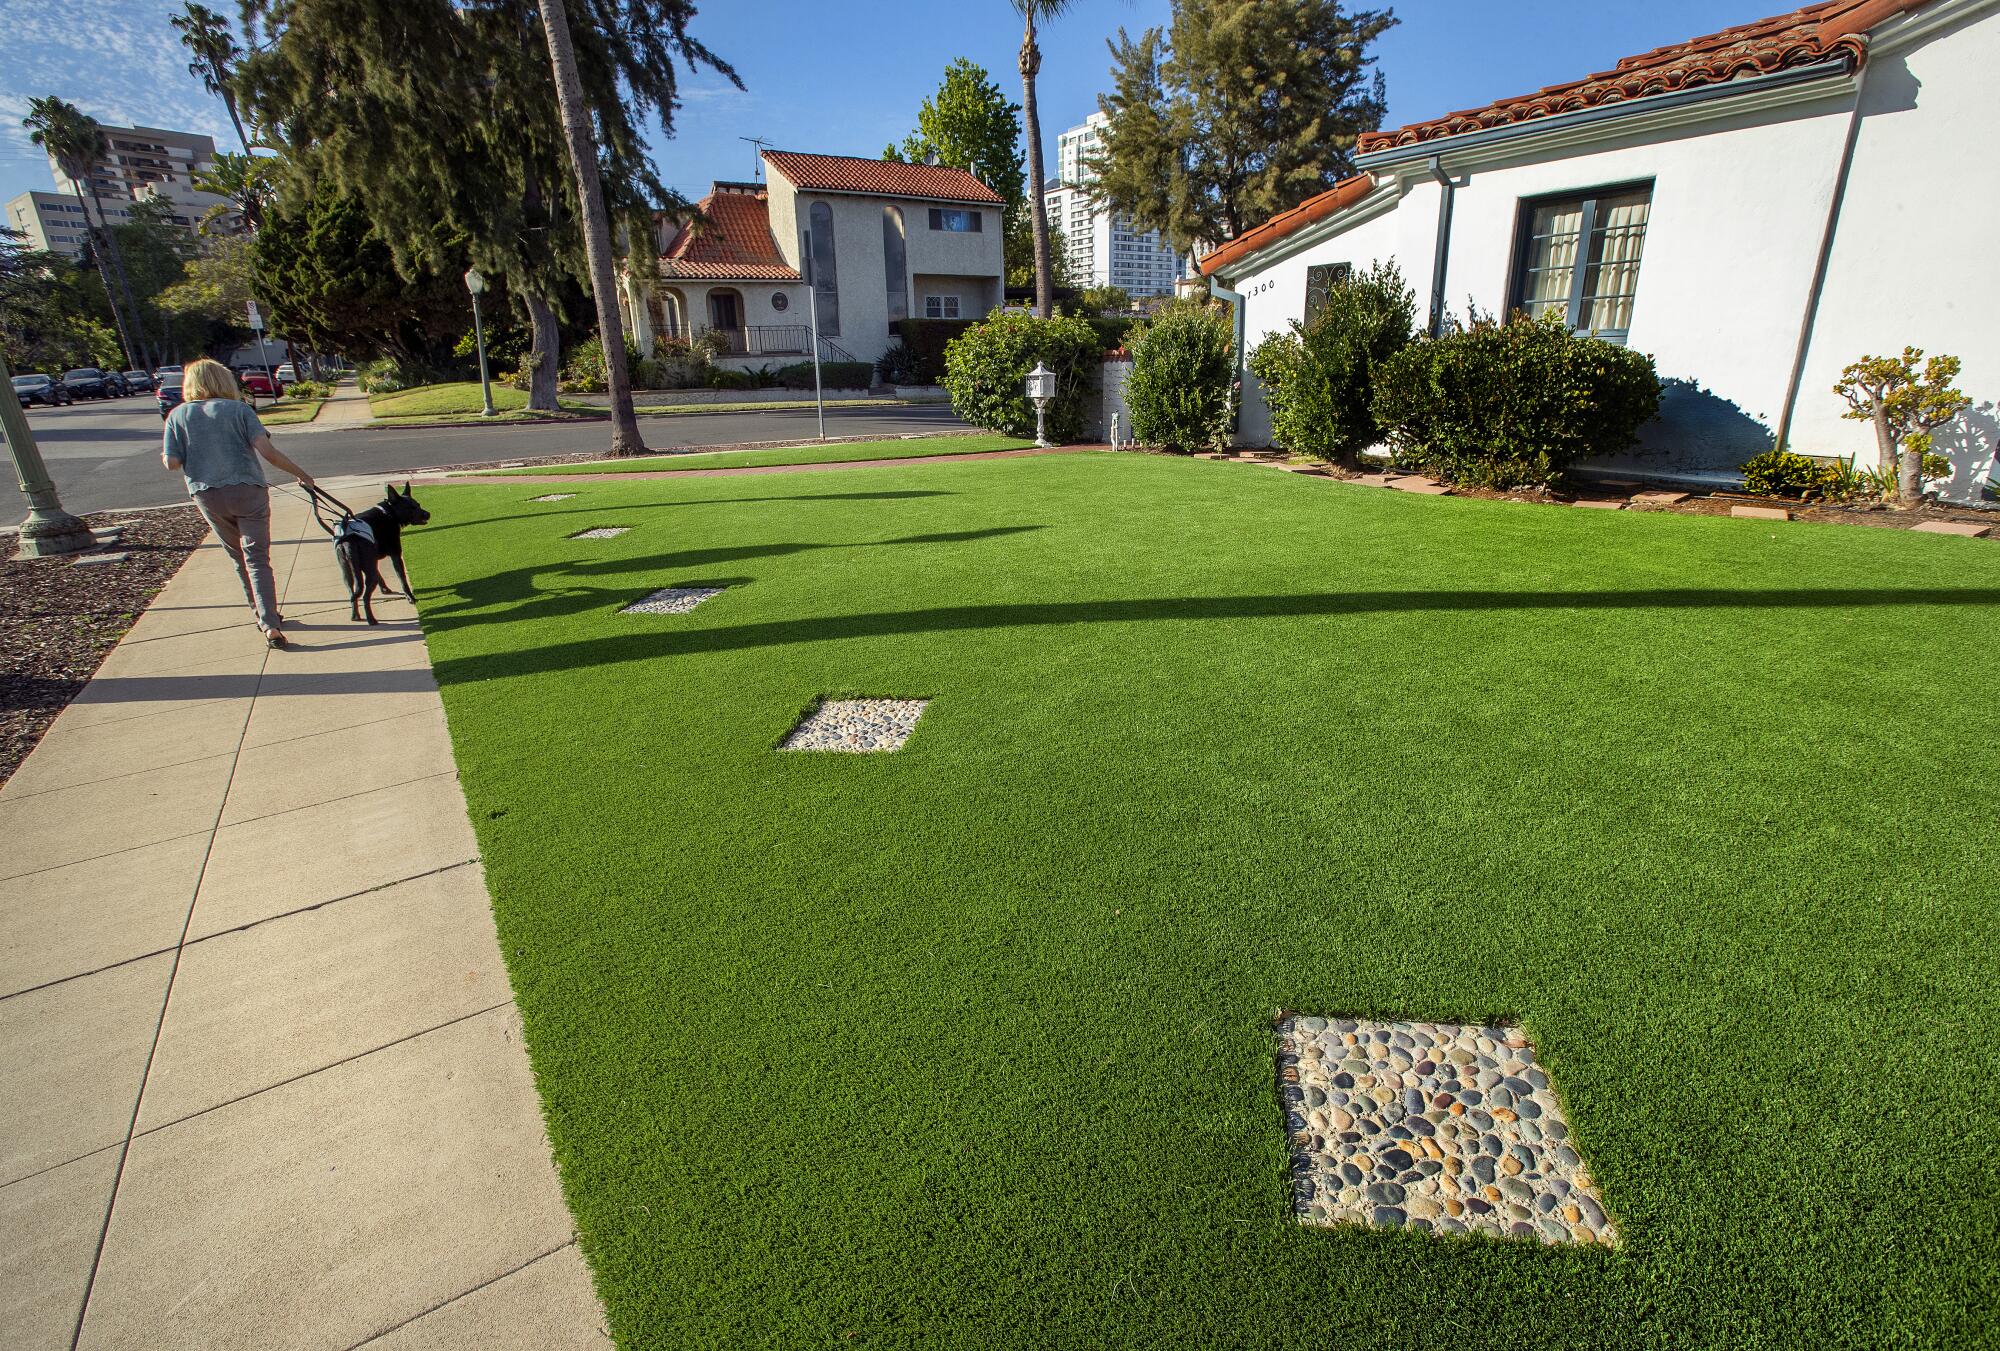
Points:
(441, 119)
(1031, 12)
(1245, 110)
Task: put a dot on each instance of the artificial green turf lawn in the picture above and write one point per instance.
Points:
(837, 453)
(971, 1045)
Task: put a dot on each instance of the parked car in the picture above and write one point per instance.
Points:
(288, 374)
(114, 382)
(86, 382)
(168, 392)
(138, 380)
(258, 383)
(42, 389)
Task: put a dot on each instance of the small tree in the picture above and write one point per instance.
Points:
(1905, 405)
(1183, 370)
(1319, 378)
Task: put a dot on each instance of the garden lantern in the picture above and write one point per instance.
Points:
(476, 283)
(1041, 388)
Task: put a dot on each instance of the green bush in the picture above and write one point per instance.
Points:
(1514, 404)
(986, 371)
(309, 389)
(1781, 473)
(1183, 374)
(722, 377)
(386, 375)
(898, 366)
(1319, 378)
(926, 340)
(1111, 332)
(584, 371)
(832, 375)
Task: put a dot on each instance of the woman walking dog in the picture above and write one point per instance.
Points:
(215, 439)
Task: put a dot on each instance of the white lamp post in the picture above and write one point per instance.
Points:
(476, 284)
(1041, 388)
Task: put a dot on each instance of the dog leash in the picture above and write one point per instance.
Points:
(315, 495)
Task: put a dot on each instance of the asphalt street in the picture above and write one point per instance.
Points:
(106, 456)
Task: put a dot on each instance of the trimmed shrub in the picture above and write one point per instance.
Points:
(386, 375)
(1782, 473)
(1319, 378)
(986, 371)
(898, 366)
(1514, 404)
(926, 340)
(723, 377)
(1112, 331)
(832, 375)
(584, 372)
(1183, 371)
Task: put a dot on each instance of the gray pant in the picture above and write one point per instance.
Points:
(240, 516)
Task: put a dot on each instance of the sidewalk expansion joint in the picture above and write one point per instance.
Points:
(372, 1338)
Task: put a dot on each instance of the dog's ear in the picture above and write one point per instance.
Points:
(406, 487)
(389, 488)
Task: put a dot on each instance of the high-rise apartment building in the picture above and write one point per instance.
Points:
(139, 163)
(1104, 249)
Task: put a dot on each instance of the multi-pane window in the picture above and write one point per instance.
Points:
(1580, 259)
(1321, 278)
(940, 307)
(956, 219)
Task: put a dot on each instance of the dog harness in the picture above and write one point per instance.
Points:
(353, 527)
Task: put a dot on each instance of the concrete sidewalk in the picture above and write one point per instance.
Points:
(262, 1081)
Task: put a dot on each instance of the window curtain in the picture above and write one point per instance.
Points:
(1555, 236)
(1614, 273)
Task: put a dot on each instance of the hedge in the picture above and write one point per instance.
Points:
(1319, 378)
(926, 340)
(986, 372)
(1183, 377)
(832, 375)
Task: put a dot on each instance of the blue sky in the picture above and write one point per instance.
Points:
(846, 76)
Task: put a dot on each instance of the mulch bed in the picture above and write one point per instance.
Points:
(57, 620)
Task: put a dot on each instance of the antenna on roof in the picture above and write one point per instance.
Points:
(758, 153)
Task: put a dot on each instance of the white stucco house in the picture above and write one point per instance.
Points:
(881, 241)
(1754, 209)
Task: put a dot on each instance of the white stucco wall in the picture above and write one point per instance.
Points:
(1916, 260)
(1739, 208)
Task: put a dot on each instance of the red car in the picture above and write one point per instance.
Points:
(262, 385)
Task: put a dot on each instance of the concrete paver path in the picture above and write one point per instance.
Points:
(262, 1081)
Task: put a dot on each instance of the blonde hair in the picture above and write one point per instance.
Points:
(209, 379)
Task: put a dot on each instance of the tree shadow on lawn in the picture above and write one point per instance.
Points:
(520, 593)
(614, 648)
(593, 509)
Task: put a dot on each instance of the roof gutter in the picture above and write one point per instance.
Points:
(1393, 156)
(1441, 259)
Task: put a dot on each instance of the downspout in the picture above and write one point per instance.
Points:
(1234, 299)
(1820, 265)
(1447, 191)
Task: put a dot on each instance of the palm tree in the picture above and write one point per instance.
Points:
(625, 438)
(76, 142)
(243, 179)
(1038, 216)
(207, 37)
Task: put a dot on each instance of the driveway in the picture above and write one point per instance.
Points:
(105, 456)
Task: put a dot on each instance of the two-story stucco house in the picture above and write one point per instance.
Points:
(881, 241)
(1753, 209)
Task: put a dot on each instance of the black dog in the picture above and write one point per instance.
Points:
(365, 540)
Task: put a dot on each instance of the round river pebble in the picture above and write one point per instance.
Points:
(856, 725)
(1439, 1127)
(672, 600)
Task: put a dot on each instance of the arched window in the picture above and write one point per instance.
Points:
(893, 264)
(825, 279)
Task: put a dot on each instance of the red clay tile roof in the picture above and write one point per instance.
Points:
(731, 241)
(1832, 30)
(1336, 198)
(880, 178)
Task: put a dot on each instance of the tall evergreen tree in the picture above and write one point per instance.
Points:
(76, 142)
(1033, 12)
(970, 124)
(213, 54)
(442, 120)
(1245, 110)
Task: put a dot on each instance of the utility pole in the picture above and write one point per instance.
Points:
(49, 529)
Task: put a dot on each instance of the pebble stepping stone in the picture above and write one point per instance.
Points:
(553, 497)
(100, 560)
(672, 600)
(1428, 487)
(856, 725)
(1601, 503)
(1660, 499)
(1964, 528)
(1371, 480)
(1443, 1128)
(1761, 513)
(601, 532)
